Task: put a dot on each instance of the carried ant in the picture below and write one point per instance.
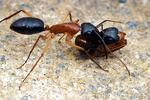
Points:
(101, 43)
(31, 25)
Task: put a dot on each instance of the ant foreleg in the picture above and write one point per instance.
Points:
(69, 37)
(69, 14)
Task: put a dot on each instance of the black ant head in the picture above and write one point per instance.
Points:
(89, 29)
(110, 35)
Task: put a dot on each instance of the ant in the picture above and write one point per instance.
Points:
(104, 42)
(31, 25)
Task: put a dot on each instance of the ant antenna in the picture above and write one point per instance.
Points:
(105, 47)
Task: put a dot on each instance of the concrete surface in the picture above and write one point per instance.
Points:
(59, 75)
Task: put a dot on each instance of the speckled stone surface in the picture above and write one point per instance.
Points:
(59, 75)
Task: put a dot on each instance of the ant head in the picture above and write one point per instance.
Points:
(88, 29)
(110, 35)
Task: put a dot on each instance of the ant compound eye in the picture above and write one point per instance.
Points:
(109, 40)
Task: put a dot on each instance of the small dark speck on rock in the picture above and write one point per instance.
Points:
(148, 23)
(10, 36)
(0, 46)
(24, 97)
(61, 66)
(121, 91)
(3, 40)
(113, 56)
(57, 71)
(131, 35)
(86, 91)
(147, 54)
(52, 9)
(61, 57)
(143, 57)
(133, 74)
(131, 25)
(34, 79)
(25, 5)
(92, 87)
(108, 90)
(1, 2)
(103, 80)
(139, 89)
(146, 33)
(58, 1)
(120, 51)
(12, 73)
(123, 77)
(134, 3)
(3, 58)
(131, 97)
(101, 74)
(122, 1)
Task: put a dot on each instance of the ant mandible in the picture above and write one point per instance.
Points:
(31, 25)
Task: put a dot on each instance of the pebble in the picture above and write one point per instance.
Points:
(123, 77)
(10, 36)
(24, 97)
(143, 57)
(92, 87)
(120, 51)
(134, 3)
(108, 90)
(139, 89)
(52, 9)
(131, 25)
(101, 74)
(0, 46)
(3, 58)
(121, 91)
(3, 40)
(1, 2)
(57, 71)
(25, 5)
(86, 91)
(122, 1)
(146, 33)
(58, 1)
(61, 66)
(131, 35)
(133, 74)
(61, 57)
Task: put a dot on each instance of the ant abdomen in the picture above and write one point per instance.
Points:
(27, 25)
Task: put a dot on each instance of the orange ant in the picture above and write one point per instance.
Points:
(31, 25)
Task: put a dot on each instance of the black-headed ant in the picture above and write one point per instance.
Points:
(104, 42)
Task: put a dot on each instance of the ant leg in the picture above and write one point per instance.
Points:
(48, 43)
(69, 14)
(43, 38)
(61, 38)
(16, 14)
(69, 37)
(108, 21)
